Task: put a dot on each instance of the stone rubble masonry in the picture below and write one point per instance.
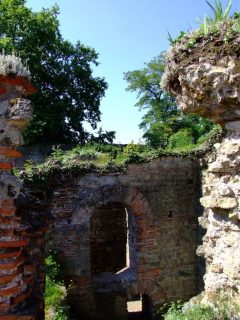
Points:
(210, 90)
(213, 90)
(15, 283)
(221, 198)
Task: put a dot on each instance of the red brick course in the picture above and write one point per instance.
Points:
(10, 152)
(5, 166)
(14, 243)
(14, 284)
(7, 211)
(17, 317)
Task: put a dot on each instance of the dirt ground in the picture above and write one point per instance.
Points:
(134, 306)
(135, 310)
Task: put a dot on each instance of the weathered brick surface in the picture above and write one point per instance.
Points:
(162, 200)
(15, 289)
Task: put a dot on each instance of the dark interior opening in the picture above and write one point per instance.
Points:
(109, 238)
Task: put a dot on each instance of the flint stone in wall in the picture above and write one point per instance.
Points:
(12, 91)
(5, 108)
(222, 202)
(17, 113)
(214, 281)
(225, 190)
(235, 125)
(221, 244)
(20, 113)
(224, 267)
(9, 135)
(222, 165)
(9, 185)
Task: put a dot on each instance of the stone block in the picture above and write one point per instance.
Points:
(9, 185)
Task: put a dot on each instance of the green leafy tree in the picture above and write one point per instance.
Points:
(162, 118)
(68, 94)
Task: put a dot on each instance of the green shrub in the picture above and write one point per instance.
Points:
(181, 139)
(53, 269)
(55, 291)
(202, 139)
(133, 148)
(62, 313)
(200, 312)
(134, 157)
(224, 308)
(71, 164)
(84, 153)
(169, 307)
(107, 148)
(57, 152)
(218, 11)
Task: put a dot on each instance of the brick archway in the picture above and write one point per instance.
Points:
(146, 229)
(90, 285)
(117, 193)
(146, 277)
(150, 287)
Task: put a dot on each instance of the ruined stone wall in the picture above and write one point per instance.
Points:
(159, 231)
(210, 87)
(162, 198)
(221, 198)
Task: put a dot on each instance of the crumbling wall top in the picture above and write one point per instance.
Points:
(14, 78)
(203, 72)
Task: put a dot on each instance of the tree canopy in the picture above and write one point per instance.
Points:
(68, 93)
(162, 118)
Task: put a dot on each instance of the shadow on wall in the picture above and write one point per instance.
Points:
(112, 241)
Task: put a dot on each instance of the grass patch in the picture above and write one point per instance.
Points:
(200, 312)
(55, 292)
(223, 308)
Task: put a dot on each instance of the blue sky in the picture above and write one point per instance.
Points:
(125, 33)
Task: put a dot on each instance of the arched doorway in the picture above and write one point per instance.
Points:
(108, 220)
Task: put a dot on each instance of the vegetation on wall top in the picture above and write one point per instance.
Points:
(215, 38)
(105, 159)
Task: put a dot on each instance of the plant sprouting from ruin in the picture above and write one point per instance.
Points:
(219, 13)
(208, 24)
(11, 64)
